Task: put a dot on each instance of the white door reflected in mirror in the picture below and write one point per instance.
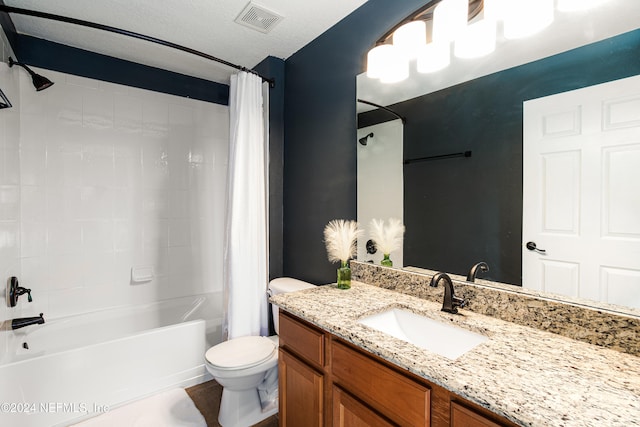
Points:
(588, 242)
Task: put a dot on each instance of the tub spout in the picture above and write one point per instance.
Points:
(26, 321)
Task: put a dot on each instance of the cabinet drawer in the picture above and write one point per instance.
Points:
(397, 397)
(349, 412)
(301, 339)
(464, 417)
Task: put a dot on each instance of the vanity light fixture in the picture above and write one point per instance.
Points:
(423, 37)
(39, 82)
(468, 28)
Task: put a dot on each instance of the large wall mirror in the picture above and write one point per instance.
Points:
(462, 143)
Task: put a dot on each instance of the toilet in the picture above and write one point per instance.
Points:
(247, 369)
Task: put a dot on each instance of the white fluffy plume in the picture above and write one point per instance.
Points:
(340, 237)
(388, 238)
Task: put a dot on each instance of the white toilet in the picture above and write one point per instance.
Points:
(243, 366)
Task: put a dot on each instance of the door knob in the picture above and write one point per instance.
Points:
(532, 247)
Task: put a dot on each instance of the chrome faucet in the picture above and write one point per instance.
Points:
(471, 277)
(451, 302)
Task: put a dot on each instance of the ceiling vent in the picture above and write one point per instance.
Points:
(258, 18)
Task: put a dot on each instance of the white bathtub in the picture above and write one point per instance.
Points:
(80, 366)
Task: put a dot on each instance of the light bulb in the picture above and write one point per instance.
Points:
(376, 60)
(478, 39)
(410, 37)
(449, 19)
(433, 57)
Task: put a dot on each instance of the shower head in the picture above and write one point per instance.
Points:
(363, 140)
(39, 82)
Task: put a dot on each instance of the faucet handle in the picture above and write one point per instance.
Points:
(460, 301)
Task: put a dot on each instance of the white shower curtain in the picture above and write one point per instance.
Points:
(245, 261)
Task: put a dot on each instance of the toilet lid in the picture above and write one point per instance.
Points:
(241, 352)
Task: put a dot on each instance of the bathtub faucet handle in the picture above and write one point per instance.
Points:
(14, 290)
(21, 291)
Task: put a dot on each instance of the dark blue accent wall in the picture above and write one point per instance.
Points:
(275, 68)
(458, 211)
(320, 134)
(58, 57)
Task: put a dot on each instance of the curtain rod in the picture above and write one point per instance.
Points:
(437, 157)
(387, 109)
(75, 21)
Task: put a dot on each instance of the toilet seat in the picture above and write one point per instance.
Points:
(240, 353)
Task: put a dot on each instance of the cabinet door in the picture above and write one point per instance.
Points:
(349, 412)
(402, 400)
(301, 393)
(463, 417)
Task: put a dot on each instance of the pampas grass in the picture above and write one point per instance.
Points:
(340, 238)
(389, 238)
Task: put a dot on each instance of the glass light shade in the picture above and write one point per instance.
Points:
(433, 57)
(410, 37)
(524, 18)
(576, 5)
(377, 58)
(449, 19)
(396, 69)
(495, 9)
(477, 40)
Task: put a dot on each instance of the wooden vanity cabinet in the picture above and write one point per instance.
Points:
(465, 417)
(325, 381)
(301, 390)
(301, 366)
(351, 412)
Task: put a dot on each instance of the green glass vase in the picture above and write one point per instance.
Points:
(386, 261)
(344, 276)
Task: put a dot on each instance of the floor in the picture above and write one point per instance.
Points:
(207, 396)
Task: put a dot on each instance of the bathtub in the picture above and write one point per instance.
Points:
(76, 367)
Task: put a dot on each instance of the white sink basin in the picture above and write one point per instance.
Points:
(444, 339)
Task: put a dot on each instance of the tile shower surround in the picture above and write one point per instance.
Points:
(106, 178)
(604, 327)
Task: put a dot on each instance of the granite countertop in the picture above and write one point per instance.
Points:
(531, 377)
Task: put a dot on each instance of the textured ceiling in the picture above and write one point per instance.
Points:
(204, 25)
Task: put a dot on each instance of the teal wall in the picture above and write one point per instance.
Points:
(320, 134)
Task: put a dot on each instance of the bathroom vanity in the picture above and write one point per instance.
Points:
(327, 381)
(336, 371)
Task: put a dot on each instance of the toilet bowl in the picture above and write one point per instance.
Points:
(247, 367)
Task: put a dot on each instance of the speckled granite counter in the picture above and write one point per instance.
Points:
(529, 376)
(605, 325)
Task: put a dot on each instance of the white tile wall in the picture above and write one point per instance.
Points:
(106, 178)
(10, 236)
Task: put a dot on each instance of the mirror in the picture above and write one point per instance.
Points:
(461, 210)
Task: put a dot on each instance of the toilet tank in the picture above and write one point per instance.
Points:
(280, 286)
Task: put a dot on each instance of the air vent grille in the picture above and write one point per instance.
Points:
(258, 18)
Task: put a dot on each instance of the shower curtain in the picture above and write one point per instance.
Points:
(245, 260)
